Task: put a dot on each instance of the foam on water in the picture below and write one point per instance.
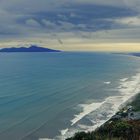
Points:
(107, 82)
(63, 132)
(86, 110)
(45, 139)
(98, 113)
(123, 79)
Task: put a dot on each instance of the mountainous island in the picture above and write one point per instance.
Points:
(32, 48)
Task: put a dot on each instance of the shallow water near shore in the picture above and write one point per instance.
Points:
(57, 94)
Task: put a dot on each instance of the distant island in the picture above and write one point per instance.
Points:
(32, 48)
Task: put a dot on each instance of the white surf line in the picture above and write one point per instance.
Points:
(107, 82)
(63, 132)
(45, 139)
(130, 88)
(123, 79)
(86, 110)
(127, 90)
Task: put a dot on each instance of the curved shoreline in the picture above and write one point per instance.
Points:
(127, 98)
(118, 118)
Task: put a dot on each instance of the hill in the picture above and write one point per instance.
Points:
(32, 48)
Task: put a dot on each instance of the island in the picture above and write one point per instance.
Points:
(32, 48)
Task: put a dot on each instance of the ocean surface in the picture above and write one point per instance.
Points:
(54, 95)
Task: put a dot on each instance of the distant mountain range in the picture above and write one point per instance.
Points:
(32, 48)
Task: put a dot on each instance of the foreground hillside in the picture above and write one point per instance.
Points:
(124, 125)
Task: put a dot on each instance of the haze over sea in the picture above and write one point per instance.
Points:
(54, 95)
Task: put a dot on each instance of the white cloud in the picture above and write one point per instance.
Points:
(129, 21)
(66, 25)
(32, 23)
(48, 23)
(11, 10)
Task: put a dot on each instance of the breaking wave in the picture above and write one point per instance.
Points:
(95, 114)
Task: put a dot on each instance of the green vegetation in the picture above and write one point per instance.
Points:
(136, 103)
(112, 130)
(117, 128)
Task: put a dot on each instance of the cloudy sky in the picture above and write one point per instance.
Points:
(71, 24)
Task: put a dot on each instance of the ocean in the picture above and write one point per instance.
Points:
(53, 95)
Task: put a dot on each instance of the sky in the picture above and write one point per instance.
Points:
(79, 25)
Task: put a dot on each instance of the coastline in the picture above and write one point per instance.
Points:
(128, 89)
(127, 93)
(127, 120)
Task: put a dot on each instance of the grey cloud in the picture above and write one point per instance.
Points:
(22, 17)
(32, 23)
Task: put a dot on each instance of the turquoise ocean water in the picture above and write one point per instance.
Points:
(54, 95)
